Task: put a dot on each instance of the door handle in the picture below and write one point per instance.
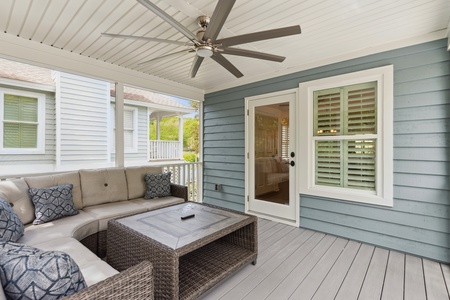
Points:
(292, 163)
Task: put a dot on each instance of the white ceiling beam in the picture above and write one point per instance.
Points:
(26, 51)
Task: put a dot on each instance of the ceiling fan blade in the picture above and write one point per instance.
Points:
(253, 54)
(218, 18)
(259, 36)
(165, 56)
(123, 36)
(163, 15)
(195, 66)
(226, 64)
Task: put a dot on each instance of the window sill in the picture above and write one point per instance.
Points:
(365, 197)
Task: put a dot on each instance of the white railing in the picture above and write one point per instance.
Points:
(188, 174)
(164, 150)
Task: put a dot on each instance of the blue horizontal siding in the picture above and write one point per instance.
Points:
(419, 221)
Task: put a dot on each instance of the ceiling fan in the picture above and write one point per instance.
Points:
(205, 43)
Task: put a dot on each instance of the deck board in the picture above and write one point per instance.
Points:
(355, 277)
(373, 283)
(333, 281)
(295, 263)
(434, 280)
(414, 281)
(395, 276)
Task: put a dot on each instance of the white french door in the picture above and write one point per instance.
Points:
(270, 162)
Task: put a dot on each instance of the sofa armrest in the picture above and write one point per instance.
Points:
(179, 191)
(136, 282)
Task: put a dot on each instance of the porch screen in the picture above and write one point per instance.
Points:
(20, 122)
(345, 136)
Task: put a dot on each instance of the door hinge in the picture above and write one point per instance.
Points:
(248, 198)
(248, 155)
(248, 112)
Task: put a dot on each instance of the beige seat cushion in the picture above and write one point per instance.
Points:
(103, 186)
(151, 204)
(92, 267)
(16, 192)
(59, 179)
(135, 179)
(78, 226)
(97, 271)
(105, 212)
(82, 255)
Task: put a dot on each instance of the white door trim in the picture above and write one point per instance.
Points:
(293, 123)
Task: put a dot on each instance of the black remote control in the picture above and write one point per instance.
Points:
(187, 217)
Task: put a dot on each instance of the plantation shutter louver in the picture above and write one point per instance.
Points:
(128, 128)
(20, 122)
(343, 118)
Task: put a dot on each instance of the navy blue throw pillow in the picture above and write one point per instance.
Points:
(157, 185)
(11, 227)
(30, 273)
(52, 203)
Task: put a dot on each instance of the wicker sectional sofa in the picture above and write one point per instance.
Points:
(99, 195)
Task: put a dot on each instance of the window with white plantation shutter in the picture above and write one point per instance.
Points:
(347, 123)
(21, 119)
(343, 117)
(129, 128)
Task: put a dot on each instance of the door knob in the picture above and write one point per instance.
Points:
(292, 163)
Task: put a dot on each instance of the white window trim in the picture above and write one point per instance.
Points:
(384, 178)
(40, 149)
(134, 148)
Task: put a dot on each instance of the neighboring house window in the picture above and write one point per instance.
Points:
(348, 127)
(130, 130)
(22, 122)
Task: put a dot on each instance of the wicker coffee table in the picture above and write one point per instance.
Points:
(189, 256)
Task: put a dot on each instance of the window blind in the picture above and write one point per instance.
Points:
(20, 122)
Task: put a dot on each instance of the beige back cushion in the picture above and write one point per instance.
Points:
(16, 192)
(103, 186)
(59, 179)
(135, 179)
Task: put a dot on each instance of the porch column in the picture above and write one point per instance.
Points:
(120, 152)
(180, 134)
(158, 127)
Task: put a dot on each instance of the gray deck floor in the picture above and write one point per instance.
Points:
(295, 263)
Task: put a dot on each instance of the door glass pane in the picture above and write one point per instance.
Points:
(272, 153)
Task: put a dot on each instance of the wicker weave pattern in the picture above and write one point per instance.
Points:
(91, 242)
(179, 191)
(135, 283)
(187, 272)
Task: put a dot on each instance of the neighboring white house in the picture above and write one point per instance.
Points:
(55, 121)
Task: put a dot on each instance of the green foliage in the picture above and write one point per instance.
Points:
(169, 132)
(169, 129)
(191, 134)
(190, 156)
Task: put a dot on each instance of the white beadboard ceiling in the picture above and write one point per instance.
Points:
(330, 30)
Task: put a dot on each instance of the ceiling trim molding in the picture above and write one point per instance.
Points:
(26, 51)
(441, 34)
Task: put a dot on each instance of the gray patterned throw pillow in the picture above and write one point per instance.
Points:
(52, 203)
(157, 185)
(30, 273)
(11, 227)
